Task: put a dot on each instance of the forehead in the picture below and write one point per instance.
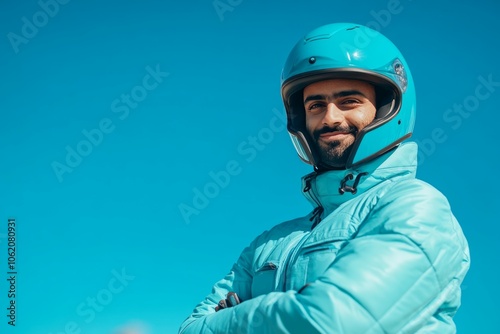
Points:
(337, 85)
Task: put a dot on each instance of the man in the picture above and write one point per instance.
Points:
(381, 252)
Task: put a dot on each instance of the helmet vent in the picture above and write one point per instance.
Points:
(400, 72)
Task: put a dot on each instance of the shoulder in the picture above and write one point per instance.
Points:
(405, 205)
(421, 213)
(424, 198)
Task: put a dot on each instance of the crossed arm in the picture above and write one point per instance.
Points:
(383, 282)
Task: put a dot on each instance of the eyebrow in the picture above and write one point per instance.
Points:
(335, 95)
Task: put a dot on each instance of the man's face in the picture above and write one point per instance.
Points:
(336, 110)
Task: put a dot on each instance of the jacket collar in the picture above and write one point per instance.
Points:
(322, 190)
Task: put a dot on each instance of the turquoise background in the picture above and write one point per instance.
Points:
(70, 70)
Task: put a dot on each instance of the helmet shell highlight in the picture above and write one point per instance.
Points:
(350, 51)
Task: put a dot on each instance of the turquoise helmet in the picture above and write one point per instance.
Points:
(350, 51)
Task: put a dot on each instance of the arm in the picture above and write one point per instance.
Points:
(405, 262)
(239, 280)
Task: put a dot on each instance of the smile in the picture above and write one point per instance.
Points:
(337, 135)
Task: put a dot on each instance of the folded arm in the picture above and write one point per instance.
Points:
(391, 279)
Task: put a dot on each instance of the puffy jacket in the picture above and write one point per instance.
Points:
(388, 258)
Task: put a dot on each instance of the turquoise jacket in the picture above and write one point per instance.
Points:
(389, 258)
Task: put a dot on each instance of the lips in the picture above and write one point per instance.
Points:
(335, 133)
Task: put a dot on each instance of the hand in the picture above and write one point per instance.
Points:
(232, 299)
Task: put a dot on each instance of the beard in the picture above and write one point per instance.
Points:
(334, 153)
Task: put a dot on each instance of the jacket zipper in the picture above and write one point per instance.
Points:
(318, 211)
(309, 191)
(291, 257)
(316, 216)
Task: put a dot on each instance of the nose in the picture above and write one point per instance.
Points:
(333, 115)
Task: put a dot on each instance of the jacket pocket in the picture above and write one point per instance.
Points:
(313, 261)
(264, 279)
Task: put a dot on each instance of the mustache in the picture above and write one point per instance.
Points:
(327, 129)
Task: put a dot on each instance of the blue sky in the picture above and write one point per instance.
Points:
(115, 116)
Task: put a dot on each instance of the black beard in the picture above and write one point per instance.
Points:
(333, 154)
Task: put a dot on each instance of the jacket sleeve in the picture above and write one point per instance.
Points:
(407, 259)
(239, 280)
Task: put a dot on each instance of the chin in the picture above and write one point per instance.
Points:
(335, 156)
(333, 159)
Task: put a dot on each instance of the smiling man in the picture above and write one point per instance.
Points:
(335, 110)
(381, 251)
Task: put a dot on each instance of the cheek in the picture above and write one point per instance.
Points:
(363, 118)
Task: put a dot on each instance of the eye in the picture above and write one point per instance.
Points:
(314, 106)
(351, 101)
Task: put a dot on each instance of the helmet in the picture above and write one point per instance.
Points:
(350, 51)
